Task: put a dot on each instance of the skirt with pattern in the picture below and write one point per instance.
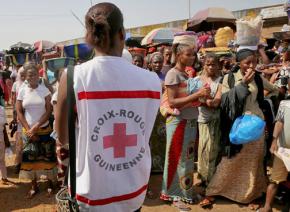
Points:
(179, 160)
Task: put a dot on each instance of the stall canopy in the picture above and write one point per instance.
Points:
(21, 48)
(211, 18)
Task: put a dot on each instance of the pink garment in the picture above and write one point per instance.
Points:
(202, 40)
(41, 72)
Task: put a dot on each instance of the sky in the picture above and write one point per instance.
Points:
(32, 20)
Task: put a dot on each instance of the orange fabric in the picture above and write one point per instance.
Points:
(191, 73)
(38, 166)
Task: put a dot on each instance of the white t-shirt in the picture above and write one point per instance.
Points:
(33, 102)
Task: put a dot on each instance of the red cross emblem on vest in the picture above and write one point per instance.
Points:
(119, 140)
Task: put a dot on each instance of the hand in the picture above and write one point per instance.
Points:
(274, 69)
(274, 146)
(249, 76)
(33, 130)
(204, 92)
(34, 138)
(209, 102)
(28, 134)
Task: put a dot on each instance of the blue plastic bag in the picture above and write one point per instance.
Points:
(247, 128)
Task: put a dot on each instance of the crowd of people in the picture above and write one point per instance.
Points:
(118, 123)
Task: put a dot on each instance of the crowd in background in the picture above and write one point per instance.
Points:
(202, 96)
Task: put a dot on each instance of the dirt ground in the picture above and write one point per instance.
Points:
(13, 197)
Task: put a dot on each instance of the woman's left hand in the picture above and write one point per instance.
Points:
(28, 134)
(33, 130)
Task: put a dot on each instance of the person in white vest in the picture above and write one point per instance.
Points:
(116, 104)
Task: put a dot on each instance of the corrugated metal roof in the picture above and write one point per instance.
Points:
(253, 12)
(273, 12)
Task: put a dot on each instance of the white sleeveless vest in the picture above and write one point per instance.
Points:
(117, 104)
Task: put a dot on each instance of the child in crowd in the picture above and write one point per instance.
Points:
(208, 118)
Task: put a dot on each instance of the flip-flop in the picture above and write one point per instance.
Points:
(181, 206)
(207, 202)
(7, 182)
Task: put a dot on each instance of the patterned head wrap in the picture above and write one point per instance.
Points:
(185, 38)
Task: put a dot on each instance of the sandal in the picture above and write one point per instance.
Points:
(31, 193)
(5, 181)
(207, 202)
(181, 206)
(254, 207)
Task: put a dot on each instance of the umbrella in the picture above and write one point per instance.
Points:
(160, 35)
(43, 45)
(211, 18)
